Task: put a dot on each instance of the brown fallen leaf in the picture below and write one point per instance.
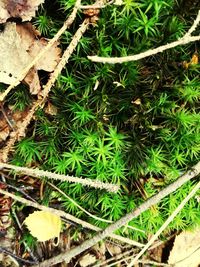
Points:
(24, 9)
(19, 45)
(185, 251)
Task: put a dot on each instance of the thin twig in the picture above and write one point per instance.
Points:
(114, 60)
(77, 205)
(187, 38)
(194, 25)
(21, 76)
(87, 212)
(67, 256)
(64, 178)
(69, 217)
(165, 224)
(19, 259)
(24, 243)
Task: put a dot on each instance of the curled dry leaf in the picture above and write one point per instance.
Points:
(24, 9)
(185, 251)
(19, 45)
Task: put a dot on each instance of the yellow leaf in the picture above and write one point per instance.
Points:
(194, 61)
(43, 225)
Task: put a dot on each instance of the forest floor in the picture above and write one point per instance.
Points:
(99, 133)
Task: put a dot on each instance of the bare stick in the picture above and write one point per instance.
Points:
(187, 38)
(66, 25)
(67, 256)
(64, 178)
(165, 224)
(68, 217)
(114, 60)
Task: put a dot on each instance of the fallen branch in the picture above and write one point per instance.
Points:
(69, 217)
(68, 255)
(64, 178)
(187, 38)
(165, 224)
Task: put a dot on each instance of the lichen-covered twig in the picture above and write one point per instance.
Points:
(64, 60)
(68, 217)
(67, 256)
(64, 178)
(66, 25)
(187, 38)
(165, 224)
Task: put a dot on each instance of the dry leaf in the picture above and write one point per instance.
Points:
(24, 9)
(43, 225)
(113, 249)
(19, 45)
(185, 251)
(51, 109)
(87, 260)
